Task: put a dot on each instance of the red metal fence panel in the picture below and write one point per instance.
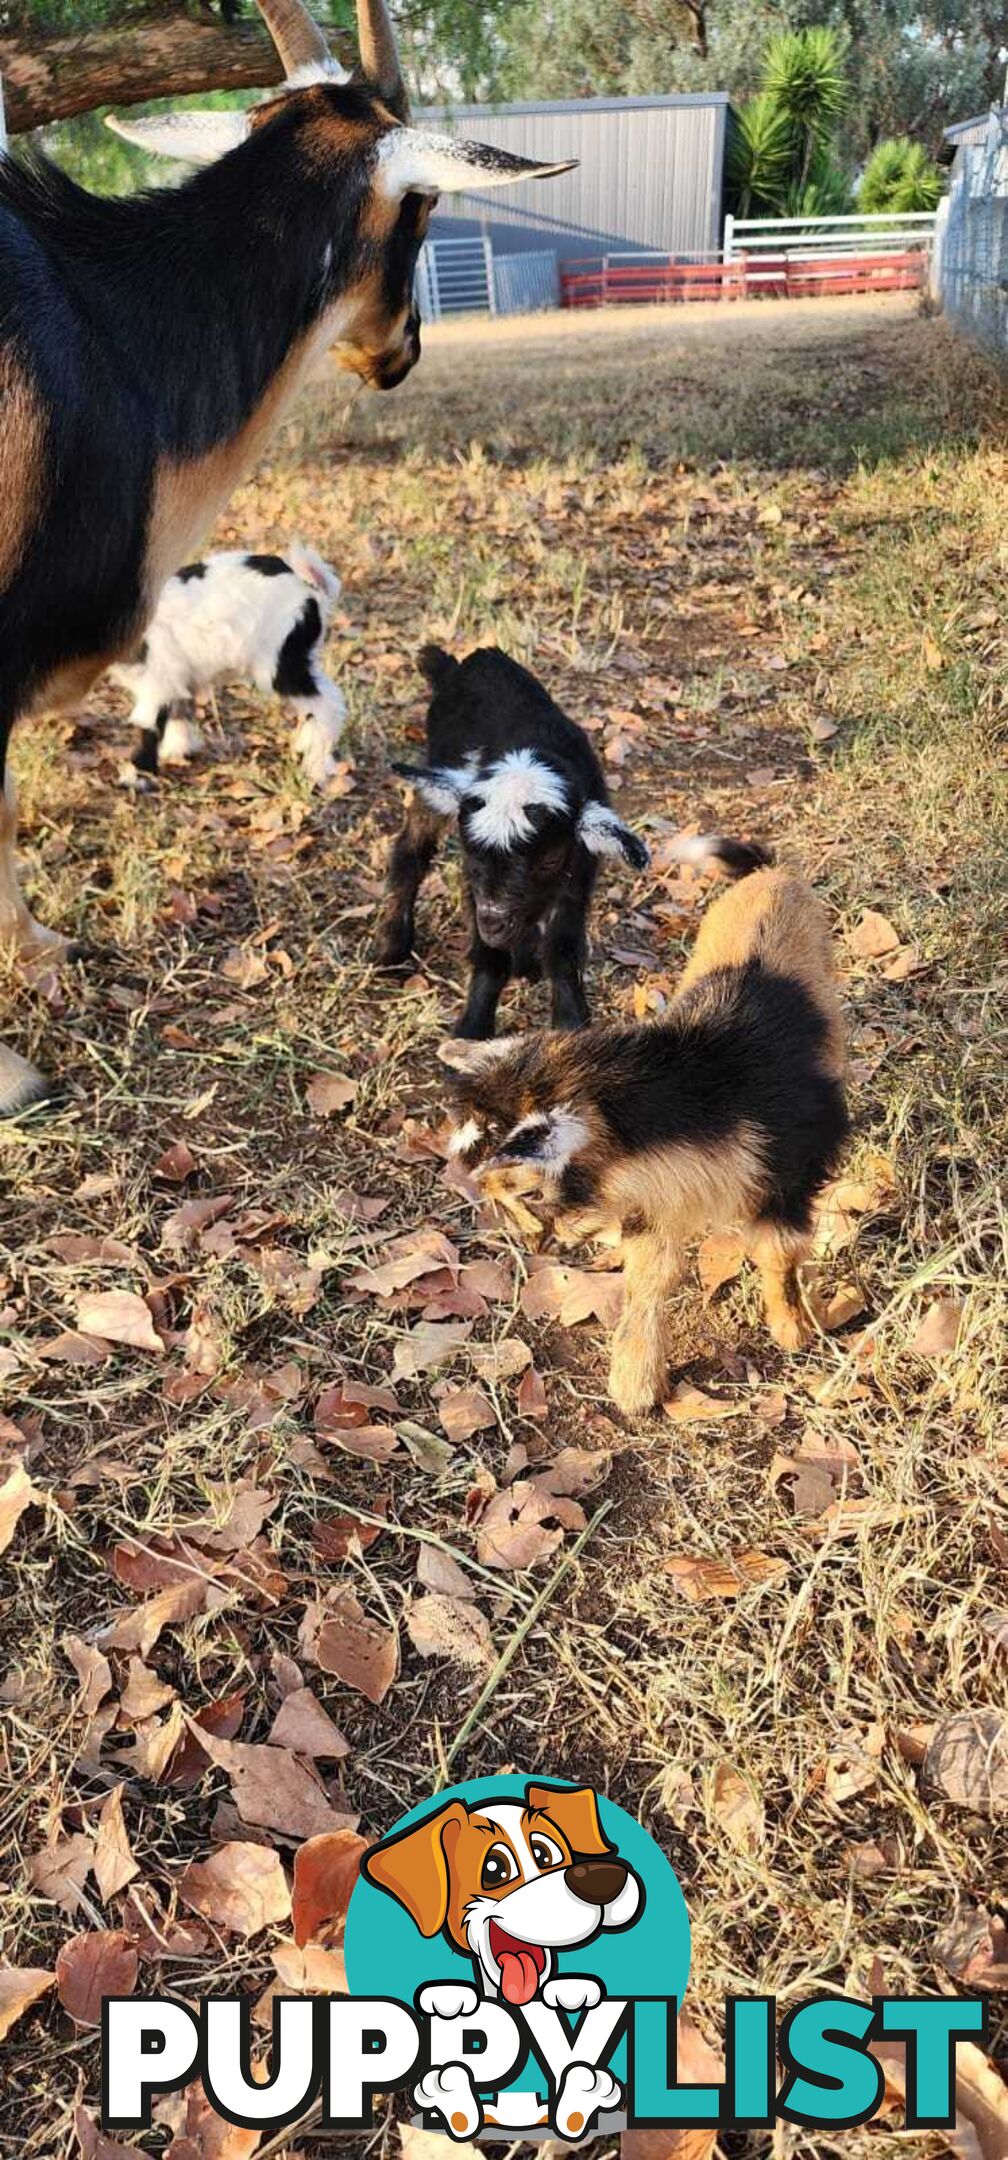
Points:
(596, 282)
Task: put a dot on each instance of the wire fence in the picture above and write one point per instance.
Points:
(971, 246)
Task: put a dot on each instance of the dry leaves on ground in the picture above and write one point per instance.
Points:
(696, 2064)
(736, 1810)
(450, 1627)
(338, 1636)
(938, 1331)
(241, 1888)
(325, 1872)
(20, 1986)
(273, 1789)
(571, 1295)
(16, 1494)
(328, 1093)
(967, 1761)
(119, 1316)
(90, 1966)
(698, 1578)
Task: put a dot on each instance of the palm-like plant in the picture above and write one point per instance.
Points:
(759, 155)
(803, 70)
(899, 176)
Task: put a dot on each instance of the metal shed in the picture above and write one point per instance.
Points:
(650, 176)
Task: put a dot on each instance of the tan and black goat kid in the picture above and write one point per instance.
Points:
(149, 345)
(728, 1114)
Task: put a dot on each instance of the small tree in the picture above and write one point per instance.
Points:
(781, 161)
(899, 176)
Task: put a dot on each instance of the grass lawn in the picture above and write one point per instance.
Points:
(762, 552)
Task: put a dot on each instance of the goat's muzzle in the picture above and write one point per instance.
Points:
(389, 369)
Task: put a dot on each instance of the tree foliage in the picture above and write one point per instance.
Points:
(899, 176)
(782, 161)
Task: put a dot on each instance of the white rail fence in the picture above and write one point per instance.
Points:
(765, 244)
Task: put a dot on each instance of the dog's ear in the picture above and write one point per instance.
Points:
(575, 1813)
(413, 1868)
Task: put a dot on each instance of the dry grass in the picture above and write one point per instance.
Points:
(733, 524)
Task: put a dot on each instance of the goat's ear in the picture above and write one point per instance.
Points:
(414, 161)
(440, 786)
(475, 1057)
(603, 833)
(197, 138)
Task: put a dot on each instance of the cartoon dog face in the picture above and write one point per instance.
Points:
(510, 1882)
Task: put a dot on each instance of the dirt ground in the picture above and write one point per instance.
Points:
(761, 552)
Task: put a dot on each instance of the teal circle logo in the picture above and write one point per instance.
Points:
(511, 1883)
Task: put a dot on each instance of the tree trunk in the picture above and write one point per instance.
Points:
(167, 54)
(697, 11)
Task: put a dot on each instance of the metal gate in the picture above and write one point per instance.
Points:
(455, 277)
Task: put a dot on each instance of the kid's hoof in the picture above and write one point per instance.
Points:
(22, 1086)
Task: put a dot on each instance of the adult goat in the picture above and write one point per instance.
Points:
(148, 346)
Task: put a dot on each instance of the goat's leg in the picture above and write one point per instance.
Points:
(564, 955)
(491, 970)
(642, 1348)
(18, 928)
(412, 854)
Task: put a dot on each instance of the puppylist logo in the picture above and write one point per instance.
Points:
(517, 1952)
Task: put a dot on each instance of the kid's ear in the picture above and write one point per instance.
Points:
(475, 1057)
(603, 833)
(439, 786)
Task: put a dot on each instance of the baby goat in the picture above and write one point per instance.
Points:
(533, 818)
(261, 618)
(729, 1113)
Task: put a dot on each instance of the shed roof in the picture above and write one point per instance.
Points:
(578, 105)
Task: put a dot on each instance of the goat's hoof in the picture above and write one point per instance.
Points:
(634, 1385)
(393, 959)
(22, 1086)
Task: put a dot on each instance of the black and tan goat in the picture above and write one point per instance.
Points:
(533, 814)
(729, 1113)
(148, 346)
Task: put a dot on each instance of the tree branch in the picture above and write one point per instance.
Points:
(168, 54)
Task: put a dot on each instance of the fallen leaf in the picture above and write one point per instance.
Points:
(974, 1949)
(301, 1723)
(360, 1652)
(933, 656)
(843, 1305)
(513, 1531)
(905, 963)
(417, 2144)
(736, 1809)
(531, 1400)
(241, 1888)
(873, 936)
(420, 1254)
(140, 1629)
(995, 1627)
(60, 1871)
(719, 1261)
(175, 1164)
(450, 1628)
(90, 1966)
(223, 1718)
(852, 1766)
(94, 2145)
(571, 1295)
(114, 1865)
(310, 1969)
(823, 729)
(325, 1873)
(16, 1494)
(272, 1790)
(967, 1761)
(119, 1316)
(329, 1093)
(20, 1987)
(436, 1570)
(698, 1578)
(93, 1671)
(689, 1405)
(144, 1694)
(464, 1411)
(430, 1344)
(980, 2131)
(502, 1360)
(938, 1331)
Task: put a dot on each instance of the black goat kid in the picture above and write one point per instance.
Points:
(533, 817)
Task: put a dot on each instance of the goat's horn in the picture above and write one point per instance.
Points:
(297, 37)
(379, 54)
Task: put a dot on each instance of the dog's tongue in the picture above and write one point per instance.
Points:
(519, 1975)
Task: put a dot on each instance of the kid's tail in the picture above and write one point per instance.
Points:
(310, 566)
(738, 857)
(435, 665)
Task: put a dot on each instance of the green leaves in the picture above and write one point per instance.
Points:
(899, 176)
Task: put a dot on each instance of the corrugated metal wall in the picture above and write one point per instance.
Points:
(650, 175)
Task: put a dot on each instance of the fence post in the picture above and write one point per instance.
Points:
(491, 278)
(729, 237)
